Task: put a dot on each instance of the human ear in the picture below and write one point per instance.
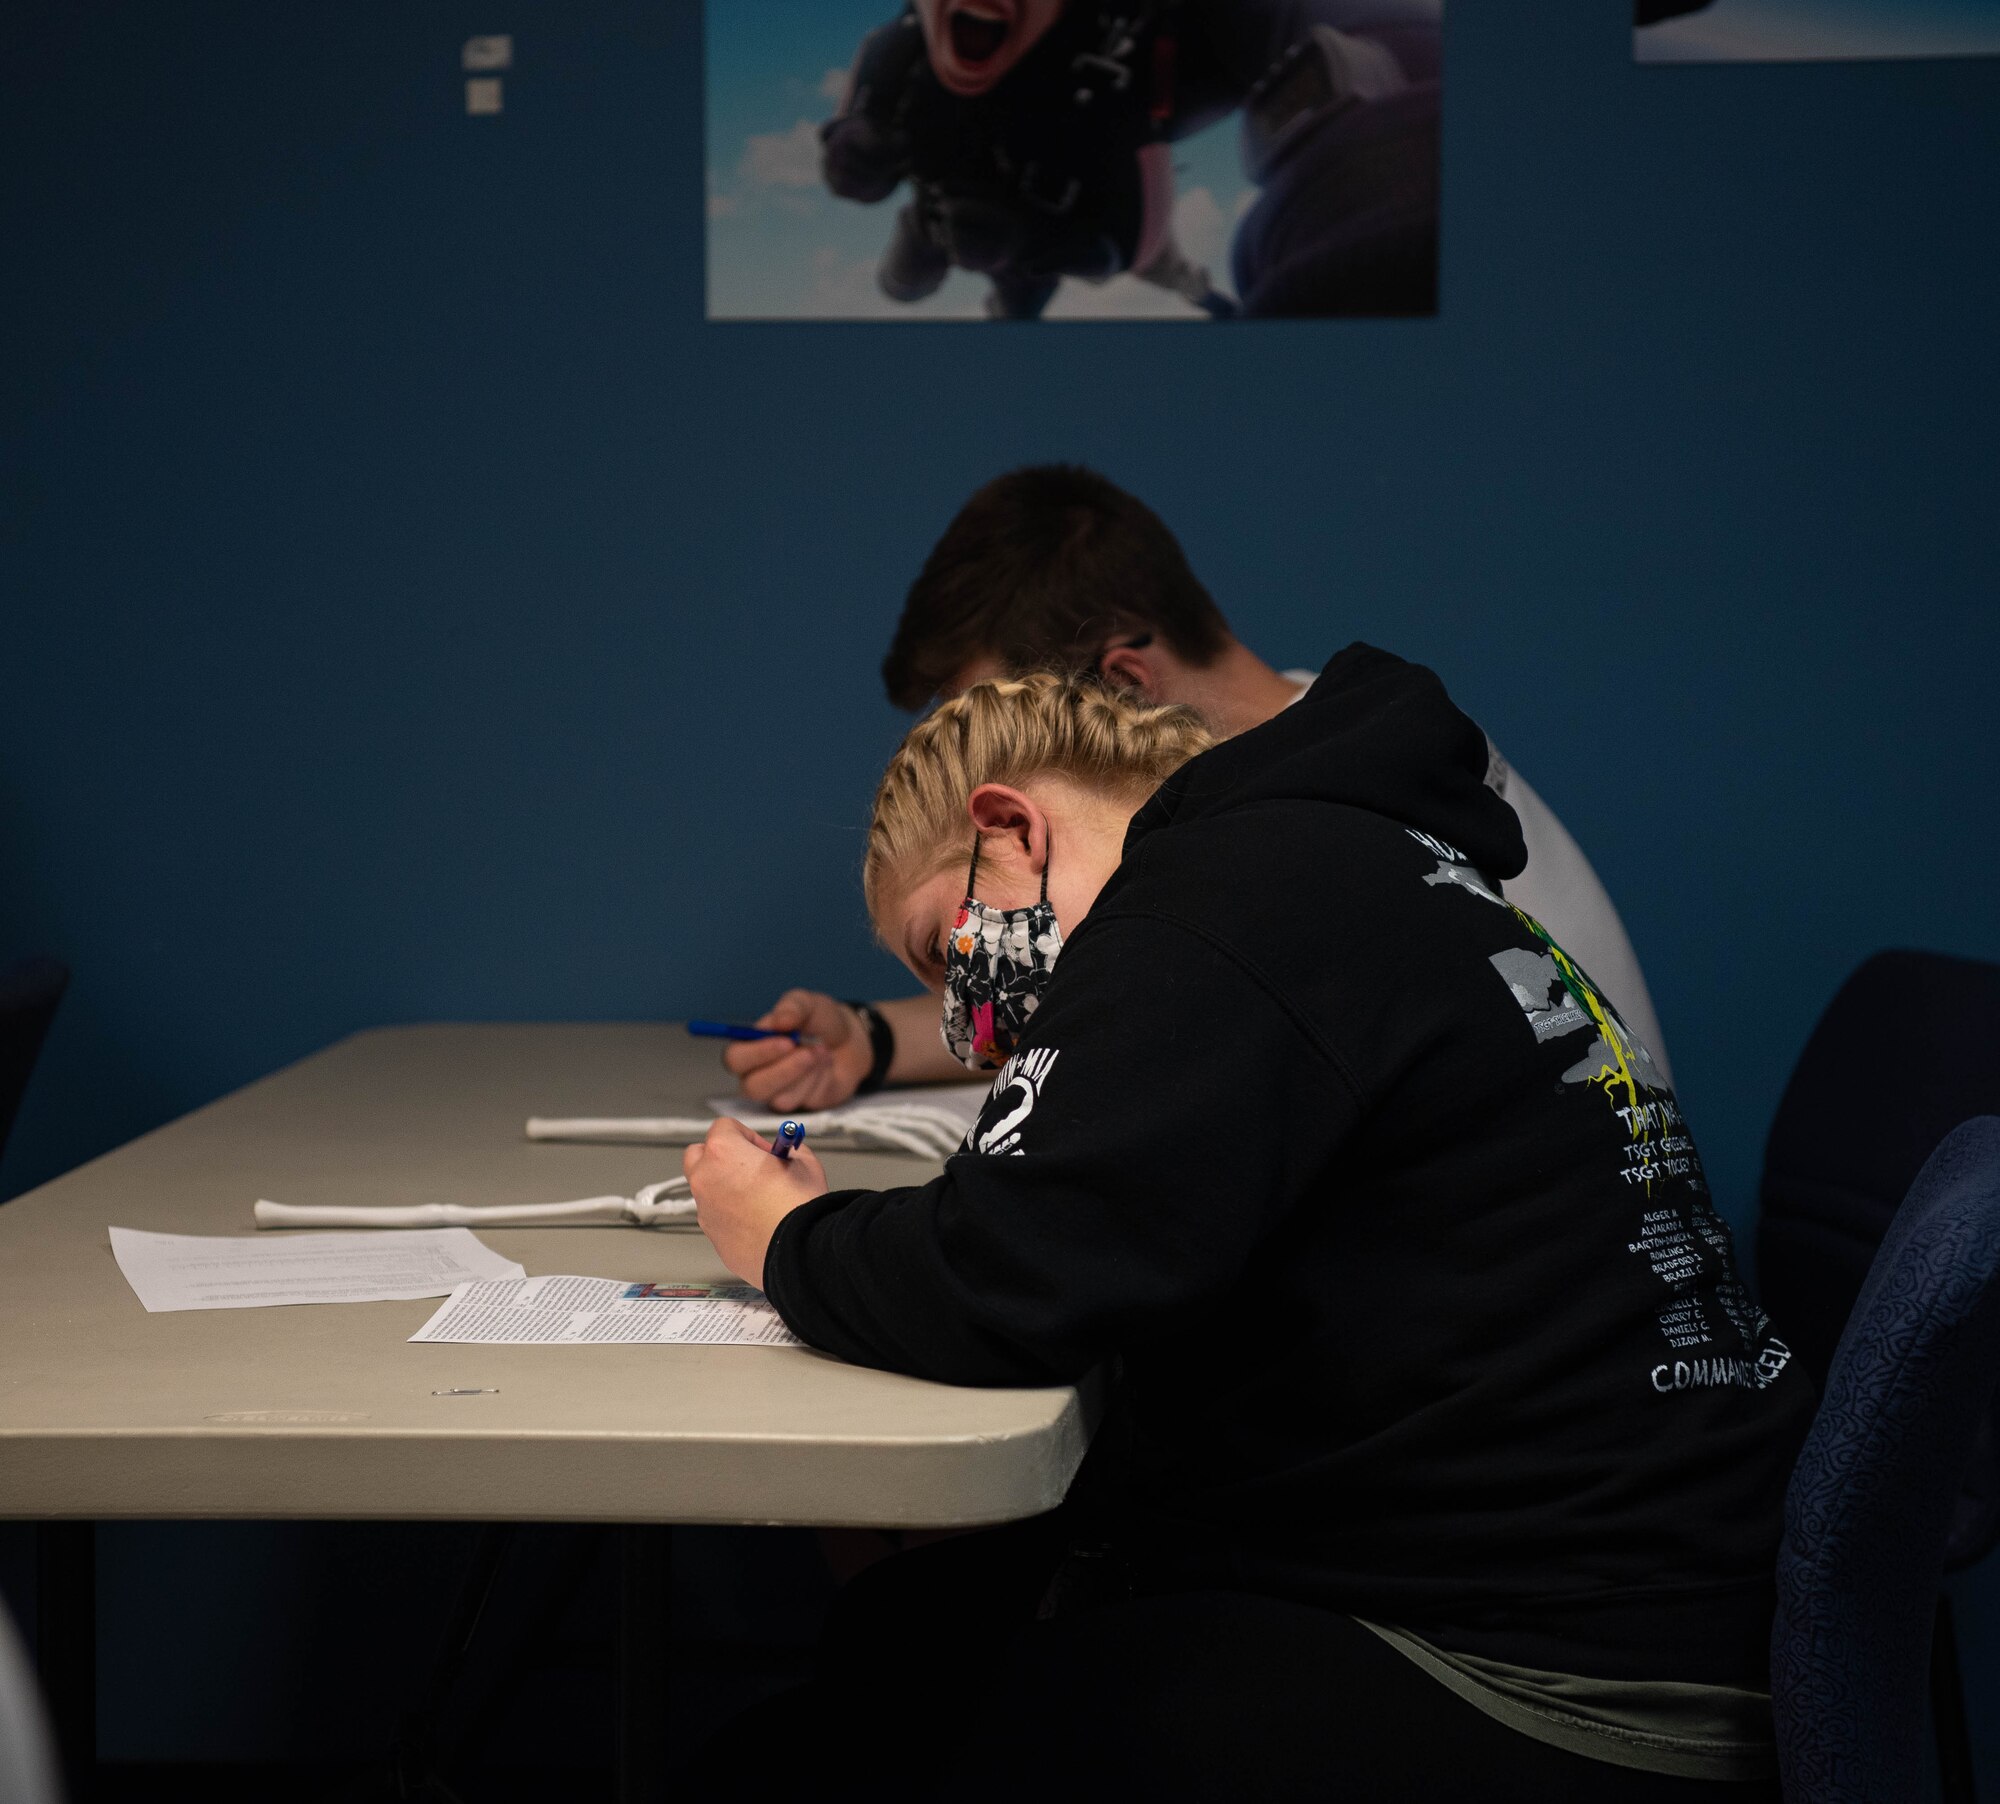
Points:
(1131, 667)
(1003, 817)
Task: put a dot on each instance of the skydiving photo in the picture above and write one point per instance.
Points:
(993, 160)
(1789, 31)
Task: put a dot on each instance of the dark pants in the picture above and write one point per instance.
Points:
(939, 1682)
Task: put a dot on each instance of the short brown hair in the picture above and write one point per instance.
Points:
(1012, 731)
(1037, 570)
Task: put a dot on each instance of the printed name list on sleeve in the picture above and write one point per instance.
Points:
(576, 1312)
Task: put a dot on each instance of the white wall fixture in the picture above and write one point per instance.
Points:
(485, 54)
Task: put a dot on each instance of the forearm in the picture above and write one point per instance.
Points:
(1123, 1199)
(860, 1275)
(921, 1056)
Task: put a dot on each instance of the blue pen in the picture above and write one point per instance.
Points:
(735, 1030)
(790, 1137)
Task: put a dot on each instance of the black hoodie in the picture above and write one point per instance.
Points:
(1398, 1238)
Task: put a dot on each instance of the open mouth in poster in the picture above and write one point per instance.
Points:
(1197, 160)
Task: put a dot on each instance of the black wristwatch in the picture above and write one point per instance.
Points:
(882, 1042)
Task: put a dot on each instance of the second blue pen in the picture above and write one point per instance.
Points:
(736, 1030)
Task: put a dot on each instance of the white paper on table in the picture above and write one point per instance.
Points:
(218, 1271)
(961, 1101)
(572, 1312)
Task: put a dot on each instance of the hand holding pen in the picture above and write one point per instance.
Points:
(743, 1188)
(809, 1051)
(743, 1031)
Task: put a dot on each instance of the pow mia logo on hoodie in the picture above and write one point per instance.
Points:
(1015, 1092)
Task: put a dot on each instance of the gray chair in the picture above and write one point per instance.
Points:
(27, 1755)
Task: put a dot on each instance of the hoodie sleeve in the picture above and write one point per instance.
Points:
(1164, 1114)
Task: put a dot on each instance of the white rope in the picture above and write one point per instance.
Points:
(633, 1130)
(665, 1205)
(924, 1130)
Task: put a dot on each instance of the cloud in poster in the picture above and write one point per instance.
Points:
(783, 159)
(836, 281)
(1822, 30)
(842, 286)
(1201, 227)
(763, 268)
(782, 245)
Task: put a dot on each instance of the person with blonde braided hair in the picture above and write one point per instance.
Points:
(1448, 1447)
(1054, 567)
(1063, 730)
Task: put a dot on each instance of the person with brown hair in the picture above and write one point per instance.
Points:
(1054, 567)
(1445, 1448)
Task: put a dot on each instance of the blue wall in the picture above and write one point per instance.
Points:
(413, 610)
(416, 611)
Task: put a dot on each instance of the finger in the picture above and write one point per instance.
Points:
(727, 1135)
(779, 1083)
(772, 1085)
(826, 1019)
(806, 1160)
(691, 1158)
(791, 1011)
(802, 1098)
(825, 1090)
(835, 1087)
(832, 1082)
(805, 1083)
(745, 1056)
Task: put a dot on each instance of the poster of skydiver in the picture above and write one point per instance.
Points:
(1797, 31)
(997, 160)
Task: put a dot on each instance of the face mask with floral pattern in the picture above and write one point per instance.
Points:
(995, 970)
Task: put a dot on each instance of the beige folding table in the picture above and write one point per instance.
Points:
(327, 1411)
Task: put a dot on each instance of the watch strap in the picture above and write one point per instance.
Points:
(882, 1045)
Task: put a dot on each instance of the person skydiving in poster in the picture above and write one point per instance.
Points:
(1031, 132)
(1036, 134)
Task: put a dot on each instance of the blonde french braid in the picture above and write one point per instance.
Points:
(1011, 731)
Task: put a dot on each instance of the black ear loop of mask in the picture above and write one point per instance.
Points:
(972, 872)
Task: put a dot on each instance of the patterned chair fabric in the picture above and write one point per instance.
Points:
(1872, 1498)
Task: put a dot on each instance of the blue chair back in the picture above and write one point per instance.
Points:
(1908, 1049)
(1872, 1498)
